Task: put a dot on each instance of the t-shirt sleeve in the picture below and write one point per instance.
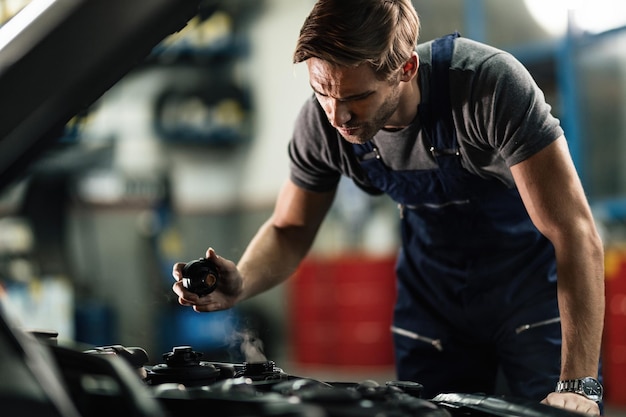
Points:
(515, 118)
(311, 150)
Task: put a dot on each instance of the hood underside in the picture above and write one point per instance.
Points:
(59, 56)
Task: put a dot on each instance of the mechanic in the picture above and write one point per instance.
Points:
(491, 207)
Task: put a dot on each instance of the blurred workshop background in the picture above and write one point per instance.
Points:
(189, 151)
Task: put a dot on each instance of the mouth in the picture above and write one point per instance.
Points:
(348, 131)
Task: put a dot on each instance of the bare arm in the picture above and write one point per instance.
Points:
(554, 198)
(272, 255)
(282, 242)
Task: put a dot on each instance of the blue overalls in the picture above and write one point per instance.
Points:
(476, 280)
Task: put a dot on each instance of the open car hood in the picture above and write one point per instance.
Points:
(59, 56)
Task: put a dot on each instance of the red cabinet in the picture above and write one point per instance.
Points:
(341, 311)
(614, 350)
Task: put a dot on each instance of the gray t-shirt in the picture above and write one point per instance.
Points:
(500, 115)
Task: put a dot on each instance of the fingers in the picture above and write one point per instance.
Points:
(209, 307)
(221, 299)
(189, 299)
(177, 271)
(572, 402)
(207, 303)
(185, 297)
(211, 254)
(215, 258)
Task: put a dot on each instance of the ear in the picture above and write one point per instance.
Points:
(410, 67)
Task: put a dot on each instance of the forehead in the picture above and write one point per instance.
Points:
(337, 80)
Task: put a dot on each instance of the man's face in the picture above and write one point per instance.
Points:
(356, 103)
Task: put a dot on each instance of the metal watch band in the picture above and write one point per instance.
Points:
(588, 387)
(569, 385)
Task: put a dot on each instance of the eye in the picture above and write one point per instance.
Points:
(358, 97)
(321, 98)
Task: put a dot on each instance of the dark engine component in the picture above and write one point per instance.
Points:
(295, 397)
(100, 383)
(485, 405)
(135, 356)
(183, 366)
(103, 384)
(200, 276)
(186, 386)
(261, 371)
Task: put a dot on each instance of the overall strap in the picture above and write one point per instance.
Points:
(438, 113)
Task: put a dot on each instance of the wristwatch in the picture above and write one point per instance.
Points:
(588, 387)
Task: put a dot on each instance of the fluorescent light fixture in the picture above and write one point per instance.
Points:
(592, 16)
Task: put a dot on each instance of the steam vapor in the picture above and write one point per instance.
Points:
(251, 347)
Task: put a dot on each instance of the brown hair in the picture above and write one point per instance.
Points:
(382, 33)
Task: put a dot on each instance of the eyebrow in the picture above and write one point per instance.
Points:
(351, 97)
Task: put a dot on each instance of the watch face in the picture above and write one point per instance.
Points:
(592, 389)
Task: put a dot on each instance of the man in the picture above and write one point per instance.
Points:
(491, 206)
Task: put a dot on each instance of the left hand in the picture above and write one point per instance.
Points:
(572, 402)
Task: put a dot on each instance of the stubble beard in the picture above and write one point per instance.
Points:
(366, 131)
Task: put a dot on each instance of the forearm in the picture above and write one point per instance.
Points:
(580, 269)
(555, 200)
(271, 257)
(280, 244)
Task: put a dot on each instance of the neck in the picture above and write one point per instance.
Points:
(410, 98)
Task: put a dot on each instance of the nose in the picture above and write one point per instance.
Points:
(338, 112)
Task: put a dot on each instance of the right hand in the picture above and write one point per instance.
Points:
(225, 296)
(572, 402)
